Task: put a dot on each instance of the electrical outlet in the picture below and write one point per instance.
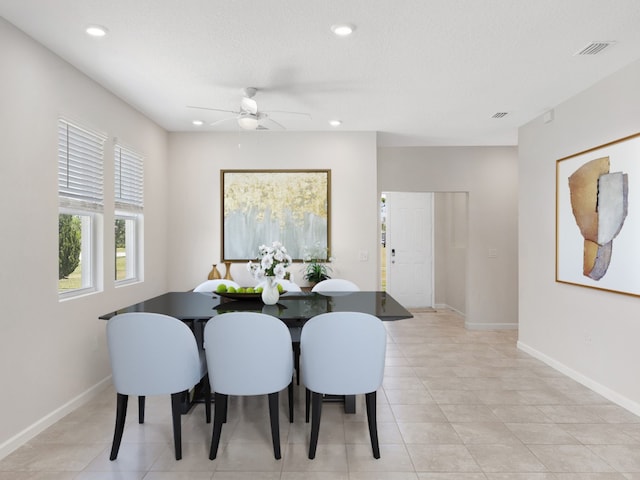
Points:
(364, 256)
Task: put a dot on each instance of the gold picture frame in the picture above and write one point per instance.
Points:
(598, 217)
(262, 206)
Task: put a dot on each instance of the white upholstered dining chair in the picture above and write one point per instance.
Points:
(210, 286)
(342, 353)
(248, 353)
(153, 354)
(335, 285)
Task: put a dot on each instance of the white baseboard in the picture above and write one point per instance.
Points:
(31, 431)
(477, 326)
(444, 306)
(606, 392)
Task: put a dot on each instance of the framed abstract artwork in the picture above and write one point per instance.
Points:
(263, 206)
(598, 217)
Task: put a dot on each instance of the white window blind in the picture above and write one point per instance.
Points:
(80, 177)
(128, 180)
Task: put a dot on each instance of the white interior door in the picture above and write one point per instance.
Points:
(409, 248)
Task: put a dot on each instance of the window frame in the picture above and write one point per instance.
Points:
(81, 162)
(129, 206)
(133, 227)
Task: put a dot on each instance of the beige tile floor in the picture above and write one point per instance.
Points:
(455, 405)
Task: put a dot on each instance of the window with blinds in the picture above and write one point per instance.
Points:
(81, 200)
(129, 202)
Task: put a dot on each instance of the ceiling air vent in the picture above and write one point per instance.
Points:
(500, 114)
(594, 48)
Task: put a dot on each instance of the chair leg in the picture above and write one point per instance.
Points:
(373, 423)
(316, 412)
(275, 423)
(141, 409)
(207, 397)
(291, 401)
(219, 417)
(121, 415)
(296, 361)
(307, 404)
(225, 409)
(176, 412)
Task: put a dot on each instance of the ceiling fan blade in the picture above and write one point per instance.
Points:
(291, 113)
(213, 109)
(276, 123)
(213, 124)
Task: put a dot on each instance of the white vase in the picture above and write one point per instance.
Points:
(270, 294)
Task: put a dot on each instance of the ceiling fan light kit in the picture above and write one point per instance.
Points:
(248, 121)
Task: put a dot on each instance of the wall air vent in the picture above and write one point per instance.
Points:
(594, 48)
(500, 114)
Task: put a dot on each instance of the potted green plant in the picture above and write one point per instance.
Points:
(317, 265)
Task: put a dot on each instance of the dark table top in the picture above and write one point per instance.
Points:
(293, 308)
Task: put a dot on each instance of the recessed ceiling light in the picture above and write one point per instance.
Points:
(96, 30)
(198, 122)
(342, 29)
(335, 123)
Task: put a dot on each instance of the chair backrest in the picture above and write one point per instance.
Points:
(211, 285)
(152, 354)
(335, 285)
(286, 285)
(343, 353)
(248, 353)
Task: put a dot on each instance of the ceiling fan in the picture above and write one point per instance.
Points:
(248, 116)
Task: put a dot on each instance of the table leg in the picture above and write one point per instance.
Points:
(349, 404)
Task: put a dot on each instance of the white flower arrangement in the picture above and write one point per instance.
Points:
(273, 262)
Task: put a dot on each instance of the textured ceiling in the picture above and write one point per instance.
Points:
(419, 72)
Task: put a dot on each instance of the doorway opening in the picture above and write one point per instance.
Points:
(445, 237)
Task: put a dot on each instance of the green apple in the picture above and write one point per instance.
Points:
(231, 289)
(221, 288)
(240, 290)
(249, 290)
(280, 289)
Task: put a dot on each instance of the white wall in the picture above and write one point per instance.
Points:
(196, 161)
(490, 176)
(52, 354)
(588, 334)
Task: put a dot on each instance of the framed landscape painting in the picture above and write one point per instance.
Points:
(598, 217)
(263, 206)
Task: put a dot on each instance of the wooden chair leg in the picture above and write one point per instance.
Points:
(316, 412)
(291, 401)
(274, 415)
(373, 423)
(176, 412)
(121, 415)
(141, 409)
(307, 404)
(219, 417)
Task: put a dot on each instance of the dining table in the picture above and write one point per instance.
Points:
(292, 308)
